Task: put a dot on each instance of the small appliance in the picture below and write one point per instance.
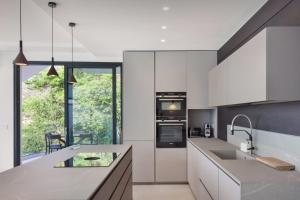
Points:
(195, 132)
(207, 130)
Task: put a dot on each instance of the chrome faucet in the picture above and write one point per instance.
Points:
(232, 130)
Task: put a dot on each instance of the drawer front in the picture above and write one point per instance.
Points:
(228, 188)
(209, 176)
(117, 195)
(202, 192)
(127, 195)
(109, 186)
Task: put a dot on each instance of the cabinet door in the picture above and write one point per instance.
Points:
(192, 171)
(218, 78)
(142, 160)
(171, 165)
(138, 96)
(247, 72)
(199, 63)
(209, 176)
(228, 189)
(170, 71)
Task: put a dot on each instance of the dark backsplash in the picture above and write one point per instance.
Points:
(276, 117)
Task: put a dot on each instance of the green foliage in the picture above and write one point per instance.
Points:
(43, 108)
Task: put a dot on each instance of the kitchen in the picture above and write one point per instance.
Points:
(199, 121)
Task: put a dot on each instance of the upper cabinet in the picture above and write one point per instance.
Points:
(199, 63)
(266, 68)
(170, 71)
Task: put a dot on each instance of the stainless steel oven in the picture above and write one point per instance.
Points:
(170, 133)
(170, 105)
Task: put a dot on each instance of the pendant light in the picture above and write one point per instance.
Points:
(21, 59)
(52, 71)
(72, 79)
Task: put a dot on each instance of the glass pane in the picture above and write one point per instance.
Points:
(171, 105)
(119, 105)
(92, 105)
(170, 134)
(42, 109)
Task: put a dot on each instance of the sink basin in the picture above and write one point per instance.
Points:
(232, 155)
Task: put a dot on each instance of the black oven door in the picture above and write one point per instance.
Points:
(171, 134)
(171, 107)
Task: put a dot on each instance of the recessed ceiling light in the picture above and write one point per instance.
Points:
(166, 8)
(163, 40)
(164, 27)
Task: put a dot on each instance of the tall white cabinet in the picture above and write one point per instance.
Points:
(144, 74)
(138, 112)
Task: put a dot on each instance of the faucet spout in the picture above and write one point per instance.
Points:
(232, 129)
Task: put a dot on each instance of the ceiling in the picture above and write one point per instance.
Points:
(108, 27)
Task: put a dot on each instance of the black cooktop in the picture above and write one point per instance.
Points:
(89, 159)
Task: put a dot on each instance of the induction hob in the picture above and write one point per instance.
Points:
(89, 159)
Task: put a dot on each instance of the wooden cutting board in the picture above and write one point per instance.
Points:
(276, 163)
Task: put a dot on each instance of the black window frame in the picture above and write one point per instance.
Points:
(67, 66)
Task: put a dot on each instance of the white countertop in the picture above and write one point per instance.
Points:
(40, 180)
(242, 171)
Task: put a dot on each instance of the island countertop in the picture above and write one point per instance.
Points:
(40, 180)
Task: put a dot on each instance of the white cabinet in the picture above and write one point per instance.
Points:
(217, 86)
(209, 176)
(199, 63)
(266, 68)
(171, 164)
(142, 161)
(138, 112)
(228, 188)
(194, 181)
(138, 96)
(170, 71)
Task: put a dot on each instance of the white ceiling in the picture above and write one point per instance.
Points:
(107, 27)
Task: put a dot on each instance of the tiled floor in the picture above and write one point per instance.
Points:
(162, 192)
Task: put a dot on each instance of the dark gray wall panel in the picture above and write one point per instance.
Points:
(275, 117)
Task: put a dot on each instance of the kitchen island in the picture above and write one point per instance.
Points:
(40, 179)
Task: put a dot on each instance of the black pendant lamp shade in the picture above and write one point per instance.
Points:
(72, 79)
(21, 59)
(52, 71)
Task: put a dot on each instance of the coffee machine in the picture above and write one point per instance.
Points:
(208, 132)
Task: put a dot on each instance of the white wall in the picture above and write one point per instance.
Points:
(6, 110)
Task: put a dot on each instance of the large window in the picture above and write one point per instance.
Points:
(88, 112)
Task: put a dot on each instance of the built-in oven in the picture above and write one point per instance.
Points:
(170, 133)
(170, 105)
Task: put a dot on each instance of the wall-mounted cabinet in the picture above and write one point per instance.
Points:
(266, 68)
(199, 63)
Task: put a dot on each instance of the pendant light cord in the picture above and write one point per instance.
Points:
(72, 47)
(52, 32)
(20, 19)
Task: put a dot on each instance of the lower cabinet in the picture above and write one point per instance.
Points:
(170, 165)
(206, 180)
(197, 187)
(228, 188)
(142, 161)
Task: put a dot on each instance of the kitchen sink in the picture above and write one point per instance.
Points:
(232, 155)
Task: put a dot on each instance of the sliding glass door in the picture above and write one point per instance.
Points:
(92, 106)
(88, 112)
